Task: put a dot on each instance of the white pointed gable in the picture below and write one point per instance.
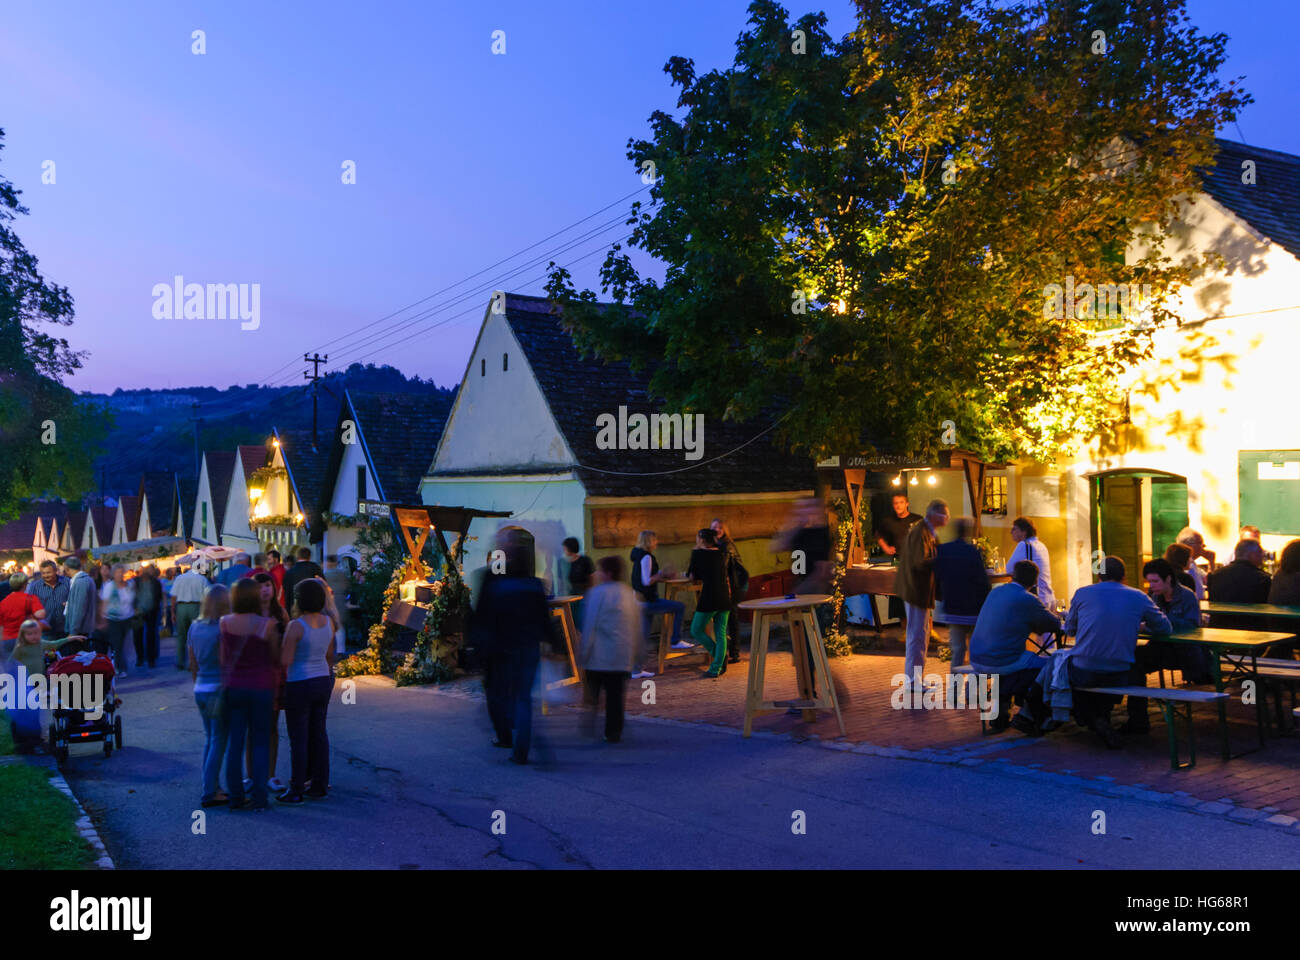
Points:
(501, 420)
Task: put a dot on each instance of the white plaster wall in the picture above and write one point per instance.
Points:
(549, 509)
(1219, 385)
(500, 420)
(345, 496)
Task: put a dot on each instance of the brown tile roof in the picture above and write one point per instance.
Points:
(400, 432)
(738, 457)
(221, 469)
(103, 519)
(307, 466)
(253, 457)
(77, 526)
(131, 506)
(1272, 203)
(158, 487)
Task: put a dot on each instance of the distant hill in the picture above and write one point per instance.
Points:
(152, 429)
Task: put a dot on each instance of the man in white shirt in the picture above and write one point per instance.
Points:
(1029, 547)
(187, 597)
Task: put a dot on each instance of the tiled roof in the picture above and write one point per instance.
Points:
(579, 389)
(1272, 203)
(130, 515)
(189, 488)
(221, 468)
(401, 432)
(19, 533)
(307, 467)
(159, 488)
(253, 458)
(103, 519)
(77, 526)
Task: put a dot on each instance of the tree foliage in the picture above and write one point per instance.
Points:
(919, 183)
(49, 436)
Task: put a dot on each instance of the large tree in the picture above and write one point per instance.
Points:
(49, 436)
(861, 232)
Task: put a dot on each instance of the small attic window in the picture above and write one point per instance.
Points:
(482, 368)
(505, 361)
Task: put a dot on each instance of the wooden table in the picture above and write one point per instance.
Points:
(797, 614)
(1240, 649)
(1272, 610)
(672, 588)
(562, 610)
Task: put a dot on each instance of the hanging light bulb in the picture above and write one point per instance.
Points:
(897, 480)
(932, 480)
(914, 481)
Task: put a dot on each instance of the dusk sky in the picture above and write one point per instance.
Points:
(226, 167)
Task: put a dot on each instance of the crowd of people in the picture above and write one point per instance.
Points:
(259, 638)
(993, 624)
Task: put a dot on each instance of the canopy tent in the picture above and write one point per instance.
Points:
(154, 548)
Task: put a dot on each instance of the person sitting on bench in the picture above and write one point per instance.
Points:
(1178, 603)
(1104, 619)
(1010, 614)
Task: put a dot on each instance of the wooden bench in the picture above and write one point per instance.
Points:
(1170, 701)
(1285, 673)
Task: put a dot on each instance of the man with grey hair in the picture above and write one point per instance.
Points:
(915, 585)
(83, 600)
(1194, 542)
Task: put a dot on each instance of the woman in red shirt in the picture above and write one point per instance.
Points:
(250, 673)
(16, 608)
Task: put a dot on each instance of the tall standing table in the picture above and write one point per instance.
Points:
(797, 614)
(678, 585)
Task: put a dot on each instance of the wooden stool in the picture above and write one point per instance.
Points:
(798, 615)
(666, 652)
(562, 609)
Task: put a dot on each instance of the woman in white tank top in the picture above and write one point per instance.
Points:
(308, 657)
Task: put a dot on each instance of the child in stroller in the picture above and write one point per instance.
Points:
(76, 722)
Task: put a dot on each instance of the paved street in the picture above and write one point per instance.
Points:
(416, 784)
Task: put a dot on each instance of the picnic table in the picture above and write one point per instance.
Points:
(1239, 649)
(879, 580)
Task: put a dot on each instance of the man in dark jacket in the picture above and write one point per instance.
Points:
(304, 569)
(511, 621)
(1242, 581)
(997, 646)
(961, 584)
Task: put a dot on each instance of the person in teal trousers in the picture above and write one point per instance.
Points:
(708, 566)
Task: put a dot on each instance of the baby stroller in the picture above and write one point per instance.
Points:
(73, 722)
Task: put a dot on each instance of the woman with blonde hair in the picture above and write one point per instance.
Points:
(646, 576)
(205, 668)
(29, 653)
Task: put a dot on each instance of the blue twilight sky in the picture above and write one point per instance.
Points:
(226, 167)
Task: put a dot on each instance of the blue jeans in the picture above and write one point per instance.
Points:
(248, 714)
(214, 739)
(658, 608)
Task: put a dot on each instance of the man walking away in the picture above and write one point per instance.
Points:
(961, 584)
(187, 596)
(611, 643)
(83, 601)
(304, 569)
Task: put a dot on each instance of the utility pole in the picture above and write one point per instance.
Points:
(194, 419)
(314, 377)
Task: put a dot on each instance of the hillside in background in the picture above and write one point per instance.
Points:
(153, 429)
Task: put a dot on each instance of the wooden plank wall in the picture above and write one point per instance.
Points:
(618, 526)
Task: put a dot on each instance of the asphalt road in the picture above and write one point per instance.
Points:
(417, 785)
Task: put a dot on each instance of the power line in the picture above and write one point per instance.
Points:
(473, 309)
(476, 292)
(458, 283)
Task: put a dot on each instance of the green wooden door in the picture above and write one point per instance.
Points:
(1121, 517)
(1168, 512)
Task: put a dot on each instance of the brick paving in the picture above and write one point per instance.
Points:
(1267, 780)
